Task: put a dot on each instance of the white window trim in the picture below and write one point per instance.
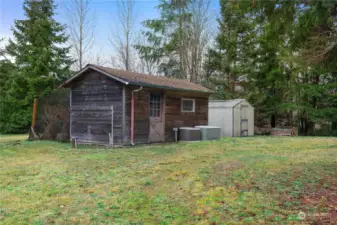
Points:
(182, 108)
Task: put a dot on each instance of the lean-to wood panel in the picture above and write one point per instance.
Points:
(93, 94)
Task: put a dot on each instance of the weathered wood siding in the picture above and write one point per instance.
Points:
(92, 95)
(172, 109)
(174, 117)
(142, 122)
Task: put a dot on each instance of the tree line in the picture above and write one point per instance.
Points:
(280, 55)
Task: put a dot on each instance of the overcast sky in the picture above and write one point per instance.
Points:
(104, 10)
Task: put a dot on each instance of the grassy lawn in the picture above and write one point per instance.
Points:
(259, 180)
(13, 137)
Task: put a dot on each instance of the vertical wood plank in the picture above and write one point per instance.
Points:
(123, 114)
(111, 137)
(164, 106)
(70, 112)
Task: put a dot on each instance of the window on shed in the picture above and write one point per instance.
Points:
(154, 105)
(187, 105)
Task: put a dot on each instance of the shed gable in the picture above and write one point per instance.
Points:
(92, 96)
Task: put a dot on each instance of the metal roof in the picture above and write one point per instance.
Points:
(225, 103)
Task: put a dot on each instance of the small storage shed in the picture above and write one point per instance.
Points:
(234, 117)
(115, 107)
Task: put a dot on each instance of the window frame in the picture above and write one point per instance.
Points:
(159, 110)
(182, 104)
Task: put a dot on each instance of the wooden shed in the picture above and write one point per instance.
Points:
(115, 107)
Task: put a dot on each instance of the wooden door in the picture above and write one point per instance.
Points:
(156, 115)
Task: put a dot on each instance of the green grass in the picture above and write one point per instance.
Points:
(13, 137)
(259, 180)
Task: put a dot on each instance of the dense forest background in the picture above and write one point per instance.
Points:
(280, 55)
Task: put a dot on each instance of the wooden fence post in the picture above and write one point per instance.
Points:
(32, 134)
(34, 113)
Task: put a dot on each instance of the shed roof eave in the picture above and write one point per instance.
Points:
(79, 73)
(228, 103)
(130, 82)
(167, 87)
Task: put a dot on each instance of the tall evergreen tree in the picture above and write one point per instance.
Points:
(315, 39)
(226, 61)
(37, 47)
(40, 58)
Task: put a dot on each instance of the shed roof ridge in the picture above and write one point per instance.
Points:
(154, 79)
(141, 79)
(229, 103)
(143, 74)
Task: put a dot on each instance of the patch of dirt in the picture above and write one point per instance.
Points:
(324, 201)
(329, 196)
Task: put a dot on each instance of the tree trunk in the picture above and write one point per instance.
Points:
(127, 53)
(290, 118)
(310, 128)
(301, 128)
(273, 121)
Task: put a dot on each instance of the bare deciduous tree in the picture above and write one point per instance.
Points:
(81, 28)
(193, 35)
(100, 59)
(122, 38)
(199, 37)
(144, 64)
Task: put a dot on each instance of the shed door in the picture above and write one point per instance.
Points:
(156, 118)
(244, 120)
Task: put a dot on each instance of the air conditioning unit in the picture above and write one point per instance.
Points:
(189, 134)
(209, 132)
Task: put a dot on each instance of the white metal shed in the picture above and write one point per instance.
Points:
(234, 117)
